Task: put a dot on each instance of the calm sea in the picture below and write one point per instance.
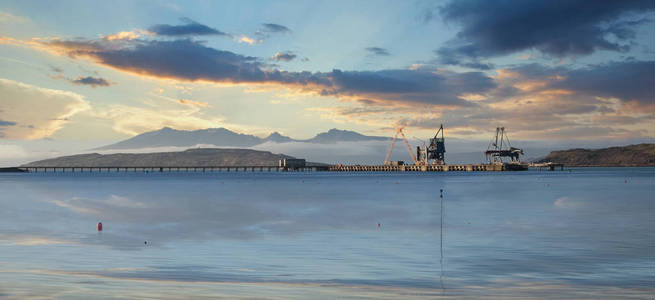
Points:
(583, 233)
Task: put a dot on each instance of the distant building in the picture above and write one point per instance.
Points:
(292, 163)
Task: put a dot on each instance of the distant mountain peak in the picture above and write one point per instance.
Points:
(223, 137)
(335, 135)
(278, 138)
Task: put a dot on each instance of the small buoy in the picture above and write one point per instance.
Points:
(99, 226)
(145, 243)
(378, 225)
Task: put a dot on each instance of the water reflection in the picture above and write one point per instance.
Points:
(507, 234)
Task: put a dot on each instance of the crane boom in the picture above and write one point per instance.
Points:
(408, 147)
(393, 142)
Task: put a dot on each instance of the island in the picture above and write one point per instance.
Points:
(641, 155)
(198, 157)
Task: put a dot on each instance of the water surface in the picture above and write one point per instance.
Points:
(587, 233)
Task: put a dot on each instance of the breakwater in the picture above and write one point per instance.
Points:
(430, 168)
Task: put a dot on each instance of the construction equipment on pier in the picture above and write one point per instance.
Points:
(433, 154)
(393, 142)
(437, 149)
(500, 147)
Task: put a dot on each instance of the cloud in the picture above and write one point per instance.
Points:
(19, 100)
(123, 35)
(9, 18)
(628, 81)
(132, 120)
(378, 51)
(189, 28)
(4, 123)
(271, 27)
(190, 60)
(284, 56)
(570, 28)
(192, 102)
(606, 101)
(92, 81)
(450, 56)
(247, 40)
(268, 29)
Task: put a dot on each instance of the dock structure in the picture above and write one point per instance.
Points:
(429, 168)
(298, 168)
(149, 169)
(551, 166)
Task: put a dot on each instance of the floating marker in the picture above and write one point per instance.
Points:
(378, 225)
(99, 226)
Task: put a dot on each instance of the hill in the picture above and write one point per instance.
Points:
(626, 156)
(221, 137)
(335, 135)
(192, 158)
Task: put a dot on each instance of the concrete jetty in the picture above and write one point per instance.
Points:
(430, 168)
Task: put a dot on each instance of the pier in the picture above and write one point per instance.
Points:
(430, 168)
(497, 167)
(549, 166)
(149, 169)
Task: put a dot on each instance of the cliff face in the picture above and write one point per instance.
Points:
(632, 155)
(190, 158)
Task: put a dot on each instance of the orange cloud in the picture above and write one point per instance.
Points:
(192, 103)
(123, 35)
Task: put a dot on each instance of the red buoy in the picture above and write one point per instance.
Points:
(99, 226)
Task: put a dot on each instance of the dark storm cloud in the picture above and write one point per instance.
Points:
(92, 81)
(191, 60)
(415, 86)
(189, 28)
(4, 123)
(557, 28)
(627, 80)
(284, 56)
(184, 59)
(378, 51)
(271, 27)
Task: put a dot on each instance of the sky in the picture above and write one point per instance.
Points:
(81, 73)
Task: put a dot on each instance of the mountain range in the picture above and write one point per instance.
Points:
(168, 137)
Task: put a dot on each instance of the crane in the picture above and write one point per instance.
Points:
(495, 151)
(437, 148)
(399, 130)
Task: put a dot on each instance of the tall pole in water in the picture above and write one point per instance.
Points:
(441, 238)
